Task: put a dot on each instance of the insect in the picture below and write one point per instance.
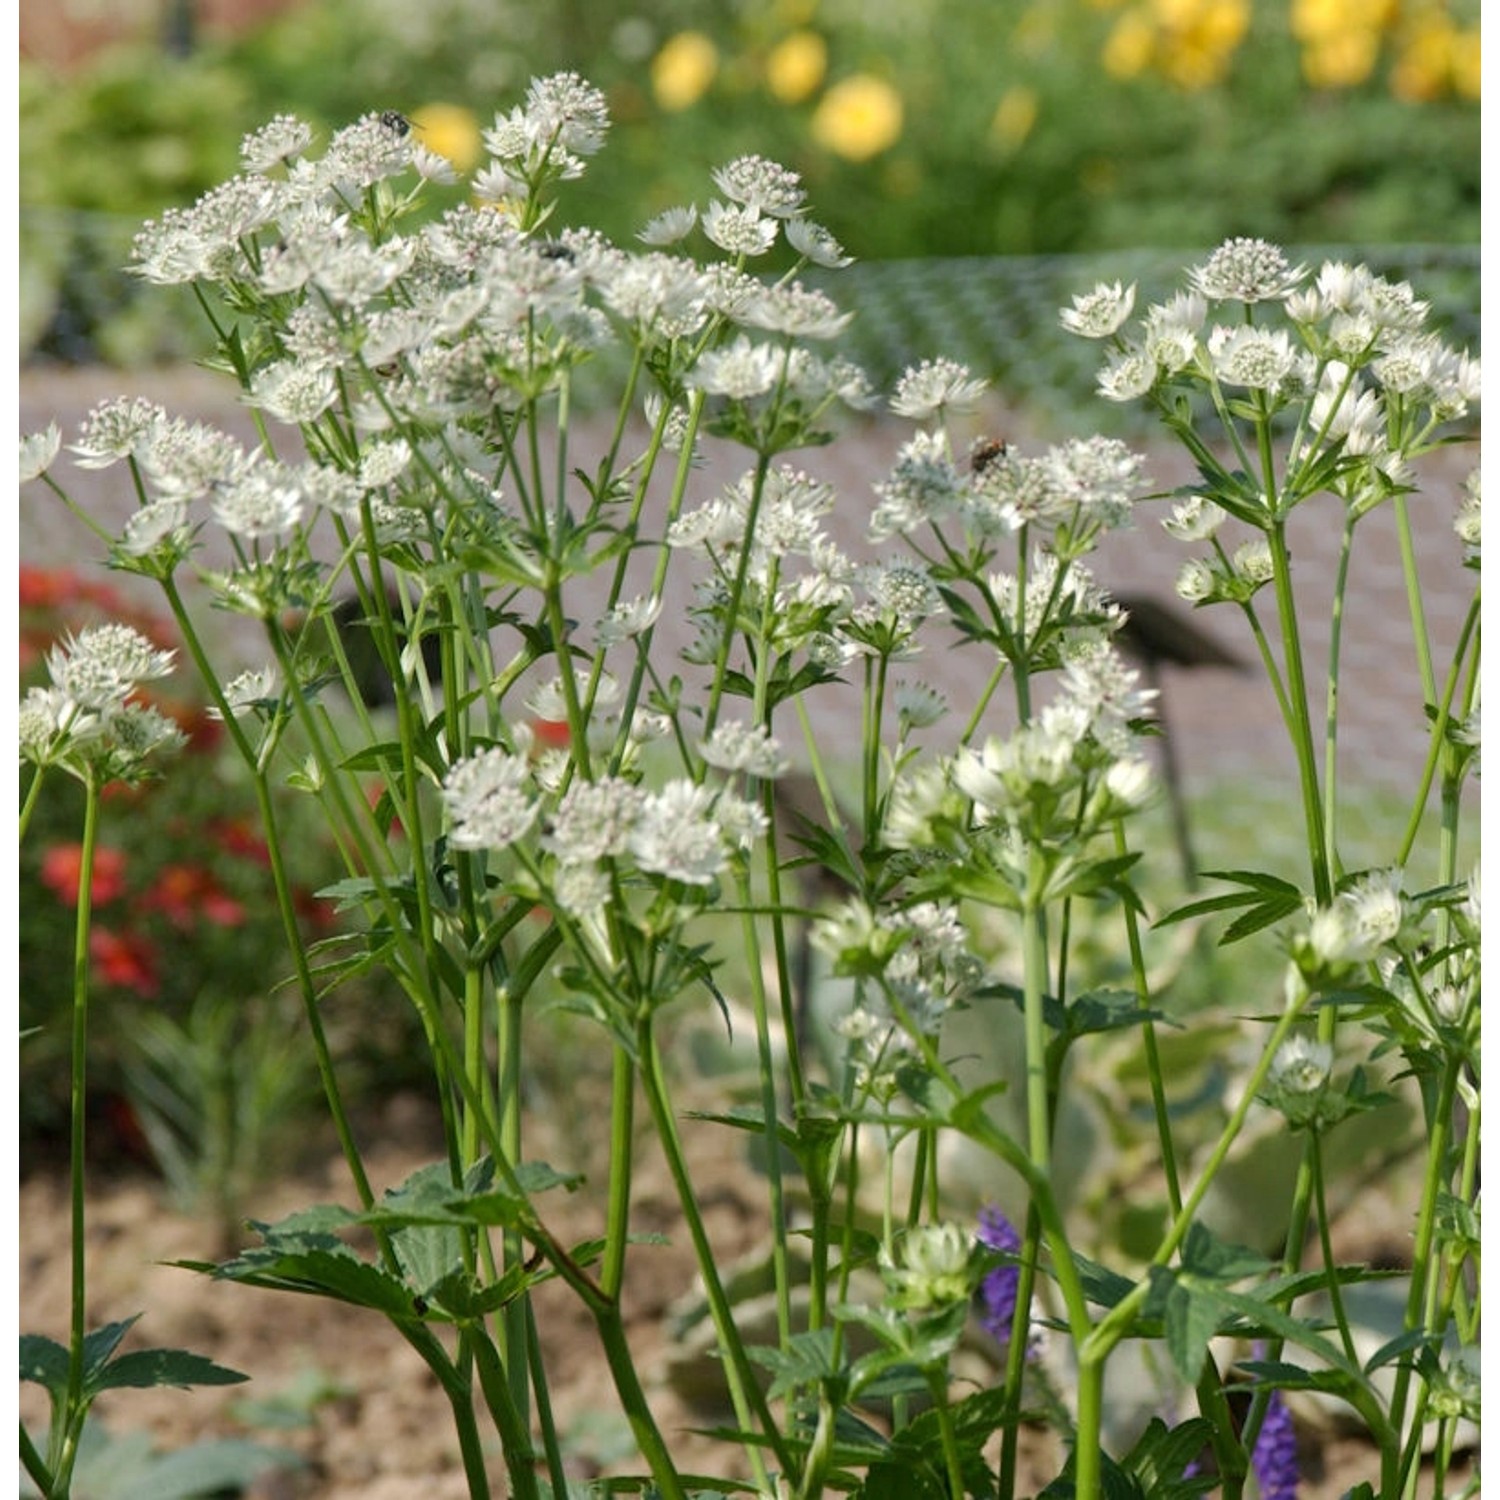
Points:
(987, 452)
(394, 120)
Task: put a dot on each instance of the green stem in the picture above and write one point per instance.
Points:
(1437, 740)
(1414, 600)
(1325, 1239)
(1299, 724)
(68, 1423)
(1438, 1143)
(1331, 716)
(744, 1388)
(515, 1439)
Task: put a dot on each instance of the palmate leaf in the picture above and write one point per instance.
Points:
(1267, 897)
(44, 1362)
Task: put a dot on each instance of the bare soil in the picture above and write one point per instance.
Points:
(384, 1430)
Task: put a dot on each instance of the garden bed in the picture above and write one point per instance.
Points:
(369, 1423)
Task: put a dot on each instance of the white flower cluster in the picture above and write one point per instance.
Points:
(1086, 484)
(87, 718)
(1347, 321)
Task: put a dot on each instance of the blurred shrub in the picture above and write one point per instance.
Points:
(925, 128)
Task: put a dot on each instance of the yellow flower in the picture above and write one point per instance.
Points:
(796, 66)
(1014, 116)
(859, 117)
(1341, 61)
(1420, 71)
(1128, 48)
(683, 70)
(451, 131)
(1465, 50)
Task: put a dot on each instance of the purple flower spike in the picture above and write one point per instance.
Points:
(998, 1289)
(1275, 1457)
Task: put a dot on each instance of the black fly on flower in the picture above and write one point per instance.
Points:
(395, 121)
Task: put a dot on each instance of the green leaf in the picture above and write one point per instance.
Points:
(44, 1362)
(315, 1266)
(1263, 892)
(1205, 1255)
(1161, 1454)
(1108, 1010)
(807, 1360)
(144, 1368)
(1190, 1320)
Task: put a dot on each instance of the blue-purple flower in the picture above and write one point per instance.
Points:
(1275, 1457)
(997, 1292)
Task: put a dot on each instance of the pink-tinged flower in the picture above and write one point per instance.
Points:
(62, 868)
(125, 960)
(184, 893)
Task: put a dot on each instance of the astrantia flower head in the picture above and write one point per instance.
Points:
(100, 666)
(761, 185)
(628, 619)
(744, 747)
(293, 391)
(669, 226)
(739, 230)
(918, 705)
(817, 244)
(933, 387)
(677, 835)
(264, 502)
(1466, 524)
(163, 524)
(1259, 358)
(568, 109)
(797, 311)
(1246, 270)
(363, 153)
(114, 430)
(275, 144)
(38, 450)
(253, 690)
(741, 371)
(1128, 376)
(925, 485)
(1376, 906)
(1301, 1066)
(187, 459)
(487, 798)
(1195, 519)
(933, 1271)
(593, 820)
(1100, 475)
(1099, 313)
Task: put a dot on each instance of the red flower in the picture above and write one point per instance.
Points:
(240, 837)
(552, 734)
(183, 893)
(125, 960)
(62, 868)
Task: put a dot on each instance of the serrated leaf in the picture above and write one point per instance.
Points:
(1205, 1255)
(807, 1359)
(1289, 1377)
(336, 1273)
(1189, 1321)
(142, 1368)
